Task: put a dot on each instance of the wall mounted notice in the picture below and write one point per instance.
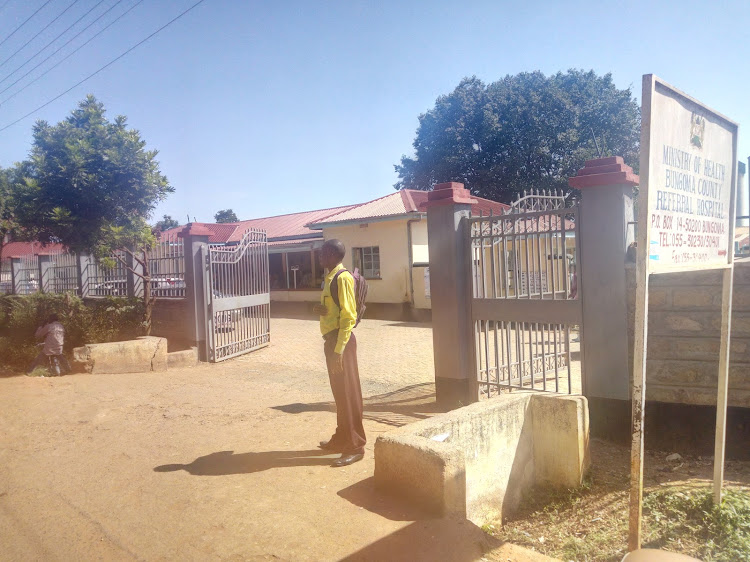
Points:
(689, 182)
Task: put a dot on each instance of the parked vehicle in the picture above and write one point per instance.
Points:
(117, 288)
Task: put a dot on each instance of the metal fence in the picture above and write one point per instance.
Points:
(6, 278)
(525, 294)
(63, 272)
(167, 267)
(105, 281)
(26, 280)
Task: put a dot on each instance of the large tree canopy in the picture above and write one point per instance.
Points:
(226, 215)
(166, 223)
(90, 183)
(521, 132)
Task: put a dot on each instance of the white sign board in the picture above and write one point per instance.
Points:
(688, 181)
(685, 222)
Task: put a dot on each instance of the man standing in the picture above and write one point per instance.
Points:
(338, 316)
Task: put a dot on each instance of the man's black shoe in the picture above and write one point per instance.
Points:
(346, 460)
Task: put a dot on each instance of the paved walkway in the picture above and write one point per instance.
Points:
(220, 461)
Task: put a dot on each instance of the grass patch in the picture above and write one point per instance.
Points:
(590, 523)
(687, 521)
(38, 372)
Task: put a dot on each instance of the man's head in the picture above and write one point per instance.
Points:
(53, 318)
(332, 253)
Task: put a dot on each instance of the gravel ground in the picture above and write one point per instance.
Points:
(220, 461)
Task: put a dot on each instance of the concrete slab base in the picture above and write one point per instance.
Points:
(141, 355)
(183, 359)
(476, 462)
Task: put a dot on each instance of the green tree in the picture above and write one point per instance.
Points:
(227, 215)
(9, 227)
(91, 184)
(521, 132)
(166, 223)
(6, 210)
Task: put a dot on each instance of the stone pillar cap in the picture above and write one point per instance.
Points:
(603, 172)
(449, 193)
(192, 229)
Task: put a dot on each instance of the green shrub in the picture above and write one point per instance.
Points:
(94, 321)
(115, 319)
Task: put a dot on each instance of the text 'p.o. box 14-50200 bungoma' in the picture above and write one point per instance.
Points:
(686, 200)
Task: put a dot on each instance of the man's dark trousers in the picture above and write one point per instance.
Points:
(347, 393)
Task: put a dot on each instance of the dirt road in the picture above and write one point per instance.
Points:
(219, 461)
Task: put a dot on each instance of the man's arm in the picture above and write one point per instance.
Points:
(41, 331)
(348, 308)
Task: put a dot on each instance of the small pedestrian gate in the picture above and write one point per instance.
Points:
(238, 297)
(525, 295)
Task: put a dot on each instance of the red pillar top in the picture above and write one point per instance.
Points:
(603, 172)
(449, 193)
(192, 229)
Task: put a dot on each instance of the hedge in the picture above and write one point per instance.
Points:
(90, 321)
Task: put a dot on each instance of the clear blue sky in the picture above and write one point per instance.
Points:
(276, 107)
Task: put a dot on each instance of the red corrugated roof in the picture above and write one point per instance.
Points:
(294, 224)
(18, 249)
(400, 203)
(291, 226)
(220, 233)
(305, 225)
(390, 205)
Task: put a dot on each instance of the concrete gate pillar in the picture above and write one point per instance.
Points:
(448, 209)
(133, 283)
(45, 283)
(196, 253)
(15, 278)
(82, 269)
(606, 209)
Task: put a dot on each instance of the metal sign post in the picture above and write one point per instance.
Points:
(686, 223)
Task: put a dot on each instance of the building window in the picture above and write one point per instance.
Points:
(367, 260)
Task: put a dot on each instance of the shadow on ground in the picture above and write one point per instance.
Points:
(397, 408)
(364, 494)
(223, 463)
(435, 539)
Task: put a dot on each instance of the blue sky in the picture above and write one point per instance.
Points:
(277, 107)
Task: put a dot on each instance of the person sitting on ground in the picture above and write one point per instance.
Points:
(53, 333)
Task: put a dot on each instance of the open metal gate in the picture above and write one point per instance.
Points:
(238, 297)
(525, 296)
